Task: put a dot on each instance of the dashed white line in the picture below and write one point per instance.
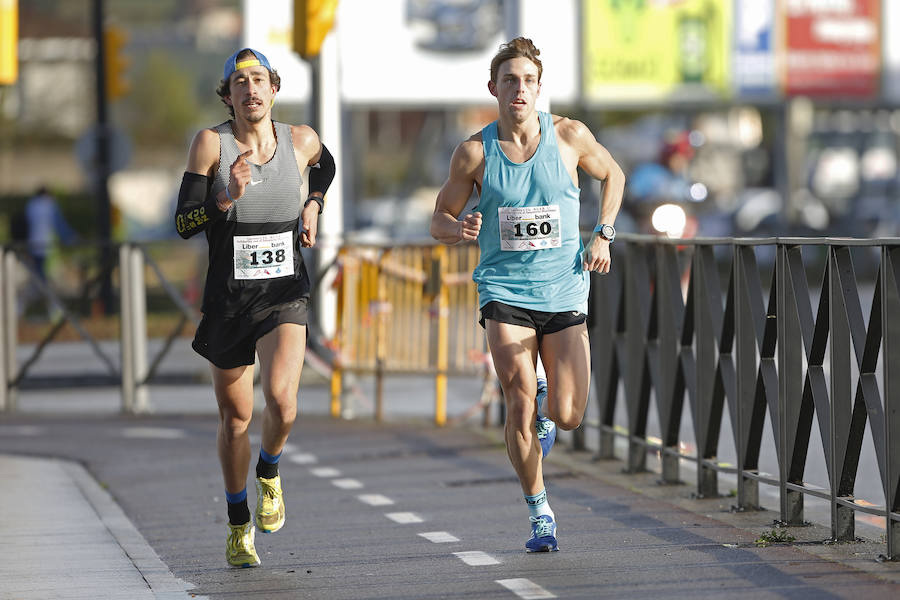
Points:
(153, 433)
(347, 484)
(325, 472)
(21, 430)
(439, 537)
(303, 458)
(525, 589)
(404, 517)
(476, 558)
(375, 499)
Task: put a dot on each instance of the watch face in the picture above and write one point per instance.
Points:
(608, 231)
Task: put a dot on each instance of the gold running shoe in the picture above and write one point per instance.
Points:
(269, 504)
(239, 549)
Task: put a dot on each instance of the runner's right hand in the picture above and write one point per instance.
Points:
(470, 226)
(240, 175)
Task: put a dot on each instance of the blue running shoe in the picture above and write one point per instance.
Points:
(546, 429)
(543, 535)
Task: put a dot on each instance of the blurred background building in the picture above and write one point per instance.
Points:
(739, 117)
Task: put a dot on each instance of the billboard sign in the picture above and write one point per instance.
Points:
(832, 48)
(653, 50)
(754, 73)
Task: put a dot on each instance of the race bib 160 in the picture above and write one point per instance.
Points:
(525, 228)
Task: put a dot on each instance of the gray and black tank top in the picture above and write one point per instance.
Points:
(254, 251)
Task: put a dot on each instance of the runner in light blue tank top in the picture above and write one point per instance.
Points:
(530, 242)
(533, 271)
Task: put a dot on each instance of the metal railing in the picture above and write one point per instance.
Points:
(128, 366)
(664, 324)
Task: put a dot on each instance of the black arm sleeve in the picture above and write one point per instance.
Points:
(196, 206)
(320, 176)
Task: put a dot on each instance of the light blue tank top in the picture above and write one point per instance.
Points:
(530, 242)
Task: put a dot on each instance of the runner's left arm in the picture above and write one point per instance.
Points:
(597, 162)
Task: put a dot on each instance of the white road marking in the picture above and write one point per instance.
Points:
(303, 459)
(476, 558)
(325, 472)
(347, 484)
(375, 499)
(439, 537)
(156, 433)
(404, 518)
(21, 430)
(525, 589)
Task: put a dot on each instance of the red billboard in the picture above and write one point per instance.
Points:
(832, 48)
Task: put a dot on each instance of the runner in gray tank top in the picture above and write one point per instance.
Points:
(242, 189)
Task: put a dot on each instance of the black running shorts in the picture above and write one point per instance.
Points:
(231, 342)
(542, 322)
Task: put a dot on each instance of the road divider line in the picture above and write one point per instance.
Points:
(303, 458)
(153, 433)
(404, 518)
(326, 472)
(525, 589)
(439, 537)
(374, 499)
(347, 484)
(476, 558)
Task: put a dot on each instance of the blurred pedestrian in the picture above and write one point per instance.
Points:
(242, 187)
(533, 272)
(45, 224)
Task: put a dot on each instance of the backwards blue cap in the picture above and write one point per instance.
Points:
(232, 64)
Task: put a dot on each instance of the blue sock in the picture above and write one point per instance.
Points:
(538, 505)
(238, 511)
(235, 498)
(268, 457)
(267, 465)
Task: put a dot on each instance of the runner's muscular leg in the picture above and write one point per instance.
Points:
(566, 355)
(234, 395)
(281, 353)
(514, 352)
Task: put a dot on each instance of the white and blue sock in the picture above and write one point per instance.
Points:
(538, 505)
(541, 376)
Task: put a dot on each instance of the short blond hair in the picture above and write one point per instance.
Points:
(521, 46)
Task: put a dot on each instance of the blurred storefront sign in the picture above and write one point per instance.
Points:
(891, 52)
(754, 49)
(438, 53)
(650, 51)
(832, 47)
(418, 53)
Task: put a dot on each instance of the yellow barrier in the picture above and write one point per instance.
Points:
(407, 310)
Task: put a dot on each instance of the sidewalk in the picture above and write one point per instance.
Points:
(65, 537)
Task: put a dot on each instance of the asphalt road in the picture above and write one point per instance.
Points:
(405, 510)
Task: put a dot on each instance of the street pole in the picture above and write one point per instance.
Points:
(102, 167)
(326, 114)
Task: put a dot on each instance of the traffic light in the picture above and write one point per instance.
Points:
(9, 40)
(313, 20)
(115, 62)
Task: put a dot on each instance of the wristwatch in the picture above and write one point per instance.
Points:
(607, 232)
